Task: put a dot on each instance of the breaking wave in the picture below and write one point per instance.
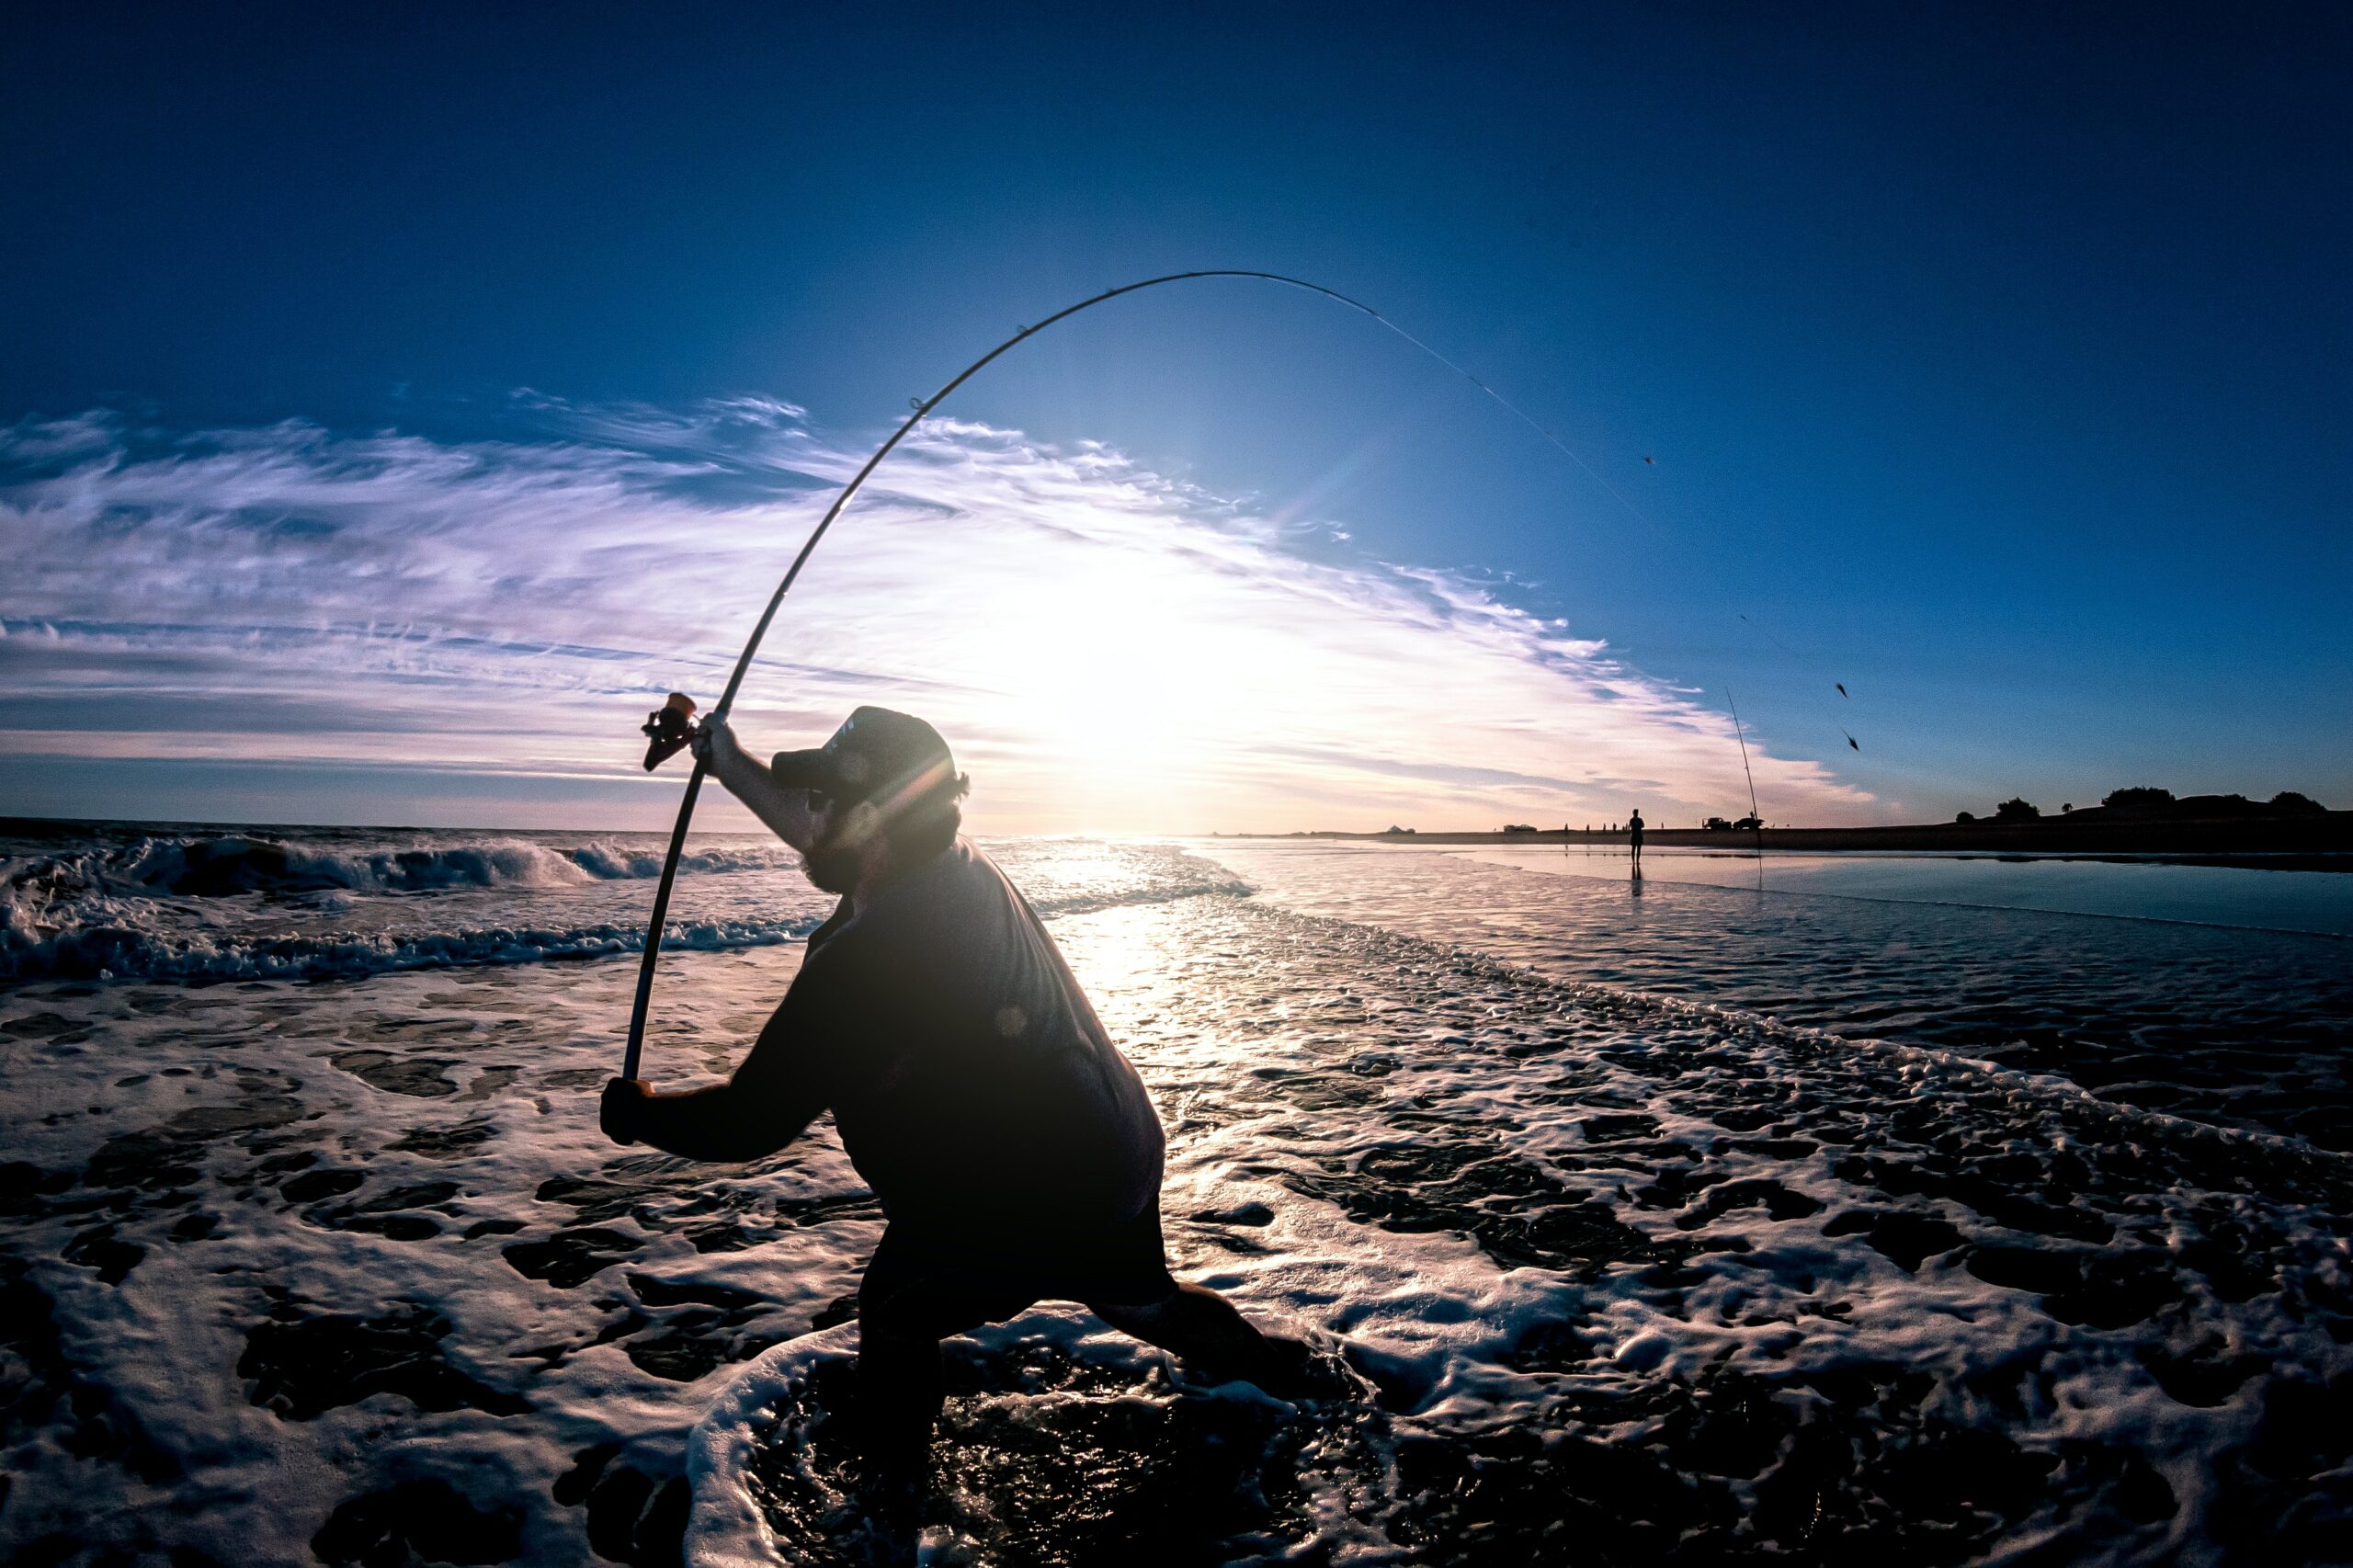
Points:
(124, 953)
(225, 865)
(166, 908)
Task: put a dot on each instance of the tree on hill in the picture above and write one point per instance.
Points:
(2140, 798)
(1964, 816)
(2016, 809)
(2290, 803)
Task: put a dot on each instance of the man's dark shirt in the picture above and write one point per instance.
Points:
(973, 1087)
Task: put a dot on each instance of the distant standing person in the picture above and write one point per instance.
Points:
(1634, 837)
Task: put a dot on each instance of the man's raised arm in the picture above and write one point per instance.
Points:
(785, 810)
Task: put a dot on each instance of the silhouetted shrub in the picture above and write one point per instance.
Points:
(2293, 804)
(1964, 816)
(2140, 797)
(2015, 808)
(2218, 806)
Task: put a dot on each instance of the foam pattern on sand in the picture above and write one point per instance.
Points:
(344, 1273)
(1667, 1281)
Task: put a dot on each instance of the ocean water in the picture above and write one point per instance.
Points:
(1664, 1226)
(2225, 997)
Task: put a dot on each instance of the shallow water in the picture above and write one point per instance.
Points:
(2290, 897)
(340, 1271)
(2235, 1024)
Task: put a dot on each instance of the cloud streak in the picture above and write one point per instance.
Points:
(1107, 649)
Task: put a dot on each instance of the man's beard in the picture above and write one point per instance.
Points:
(831, 867)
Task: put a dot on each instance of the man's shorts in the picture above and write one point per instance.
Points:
(943, 1282)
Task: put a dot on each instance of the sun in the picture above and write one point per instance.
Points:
(1125, 680)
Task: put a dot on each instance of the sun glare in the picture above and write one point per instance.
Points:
(1126, 679)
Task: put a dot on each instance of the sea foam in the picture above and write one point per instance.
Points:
(333, 1272)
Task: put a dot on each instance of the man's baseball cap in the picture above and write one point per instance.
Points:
(892, 759)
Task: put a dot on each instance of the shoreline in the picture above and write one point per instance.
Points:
(2322, 842)
(2319, 844)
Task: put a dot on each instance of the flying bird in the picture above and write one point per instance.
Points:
(1842, 690)
(1650, 459)
(1851, 741)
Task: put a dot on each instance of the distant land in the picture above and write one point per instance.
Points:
(2288, 832)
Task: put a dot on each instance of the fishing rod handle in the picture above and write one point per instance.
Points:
(652, 957)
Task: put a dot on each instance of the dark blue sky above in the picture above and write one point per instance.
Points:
(1994, 360)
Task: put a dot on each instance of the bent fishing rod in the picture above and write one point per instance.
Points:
(669, 725)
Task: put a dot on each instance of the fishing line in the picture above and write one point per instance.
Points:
(1753, 815)
(1820, 705)
(656, 921)
(1614, 494)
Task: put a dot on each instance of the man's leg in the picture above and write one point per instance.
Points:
(906, 1305)
(899, 1387)
(1203, 1328)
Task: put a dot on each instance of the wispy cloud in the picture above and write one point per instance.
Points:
(1105, 647)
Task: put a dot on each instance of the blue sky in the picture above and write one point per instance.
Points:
(1988, 360)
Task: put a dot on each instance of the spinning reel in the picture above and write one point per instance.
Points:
(668, 729)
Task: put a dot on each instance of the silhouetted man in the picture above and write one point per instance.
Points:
(1013, 1148)
(1634, 837)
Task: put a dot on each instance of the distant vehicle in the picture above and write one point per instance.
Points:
(1393, 828)
(1748, 824)
(1517, 827)
(1717, 824)
(1745, 825)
